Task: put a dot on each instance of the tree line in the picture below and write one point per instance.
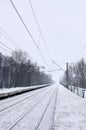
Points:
(18, 70)
(76, 75)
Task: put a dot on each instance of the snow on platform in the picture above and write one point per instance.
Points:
(8, 90)
(4, 93)
(70, 111)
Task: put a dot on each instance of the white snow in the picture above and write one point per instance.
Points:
(4, 90)
(8, 90)
(11, 114)
(70, 111)
(79, 91)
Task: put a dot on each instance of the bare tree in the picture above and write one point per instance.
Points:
(18, 70)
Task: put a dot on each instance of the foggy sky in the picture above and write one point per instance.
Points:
(63, 24)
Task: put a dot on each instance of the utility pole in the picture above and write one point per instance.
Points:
(67, 75)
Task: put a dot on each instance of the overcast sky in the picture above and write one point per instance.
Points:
(63, 24)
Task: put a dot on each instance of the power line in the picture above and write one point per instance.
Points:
(6, 46)
(35, 16)
(53, 70)
(27, 30)
(4, 49)
(40, 29)
(58, 65)
(10, 38)
(6, 35)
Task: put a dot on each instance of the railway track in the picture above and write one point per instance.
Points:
(9, 99)
(30, 113)
(43, 114)
(26, 112)
(17, 101)
(20, 91)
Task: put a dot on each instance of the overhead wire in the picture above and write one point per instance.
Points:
(7, 36)
(6, 46)
(31, 34)
(28, 31)
(44, 42)
(4, 50)
(35, 16)
(58, 65)
(54, 70)
(40, 29)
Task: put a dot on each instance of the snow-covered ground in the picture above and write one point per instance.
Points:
(35, 110)
(29, 111)
(79, 91)
(70, 111)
